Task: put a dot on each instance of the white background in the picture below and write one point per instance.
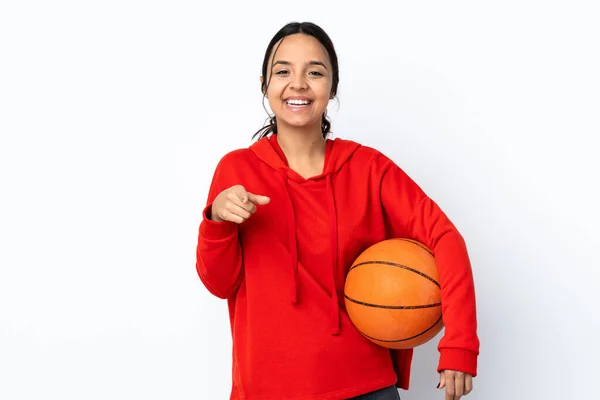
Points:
(113, 115)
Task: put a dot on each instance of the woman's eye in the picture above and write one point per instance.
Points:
(316, 73)
(282, 72)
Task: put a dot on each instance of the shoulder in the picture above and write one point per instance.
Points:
(376, 163)
(230, 170)
(235, 158)
(374, 155)
(231, 166)
(369, 156)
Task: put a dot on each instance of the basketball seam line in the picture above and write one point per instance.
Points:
(402, 340)
(421, 245)
(398, 266)
(362, 303)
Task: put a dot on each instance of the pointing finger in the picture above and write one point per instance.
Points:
(257, 199)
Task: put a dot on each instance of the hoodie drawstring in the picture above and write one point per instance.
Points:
(293, 247)
(335, 306)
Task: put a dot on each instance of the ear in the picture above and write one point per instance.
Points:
(262, 81)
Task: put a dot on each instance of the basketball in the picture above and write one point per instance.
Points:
(392, 294)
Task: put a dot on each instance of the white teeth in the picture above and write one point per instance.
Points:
(298, 102)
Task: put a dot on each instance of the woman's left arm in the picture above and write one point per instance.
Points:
(410, 212)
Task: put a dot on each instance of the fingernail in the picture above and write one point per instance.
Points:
(438, 386)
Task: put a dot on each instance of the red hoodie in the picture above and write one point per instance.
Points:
(282, 272)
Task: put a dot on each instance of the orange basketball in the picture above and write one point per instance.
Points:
(392, 294)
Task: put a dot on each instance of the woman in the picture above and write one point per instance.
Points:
(286, 218)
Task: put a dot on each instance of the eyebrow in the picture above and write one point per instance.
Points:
(309, 63)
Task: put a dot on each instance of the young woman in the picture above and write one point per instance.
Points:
(284, 221)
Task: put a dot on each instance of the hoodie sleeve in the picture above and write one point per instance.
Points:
(409, 212)
(218, 254)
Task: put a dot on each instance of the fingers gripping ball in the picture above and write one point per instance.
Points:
(392, 294)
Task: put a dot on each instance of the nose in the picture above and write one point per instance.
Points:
(298, 82)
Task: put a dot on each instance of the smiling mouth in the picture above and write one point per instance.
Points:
(298, 103)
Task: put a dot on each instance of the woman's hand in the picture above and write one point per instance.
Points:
(457, 384)
(236, 205)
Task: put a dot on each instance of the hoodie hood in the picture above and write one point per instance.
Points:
(337, 153)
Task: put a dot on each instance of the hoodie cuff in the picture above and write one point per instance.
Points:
(458, 360)
(213, 230)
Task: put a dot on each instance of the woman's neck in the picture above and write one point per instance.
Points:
(301, 144)
(304, 151)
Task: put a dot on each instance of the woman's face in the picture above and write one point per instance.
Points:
(300, 81)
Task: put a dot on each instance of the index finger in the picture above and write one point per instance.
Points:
(258, 199)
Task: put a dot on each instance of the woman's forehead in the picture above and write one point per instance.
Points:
(299, 48)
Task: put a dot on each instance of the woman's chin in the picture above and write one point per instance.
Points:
(300, 123)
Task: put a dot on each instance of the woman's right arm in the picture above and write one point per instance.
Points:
(219, 255)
